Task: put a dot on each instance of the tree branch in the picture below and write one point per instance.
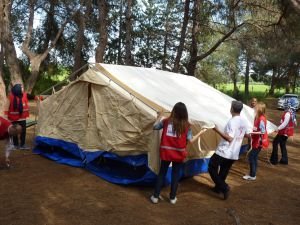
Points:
(26, 42)
(219, 42)
(53, 43)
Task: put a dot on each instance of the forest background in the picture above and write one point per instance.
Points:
(233, 45)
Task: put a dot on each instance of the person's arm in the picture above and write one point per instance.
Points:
(194, 138)
(285, 122)
(262, 128)
(158, 124)
(224, 135)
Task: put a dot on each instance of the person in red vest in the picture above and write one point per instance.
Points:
(285, 130)
(259, 138)
(175, 136)
(18, 112)
(7, 131)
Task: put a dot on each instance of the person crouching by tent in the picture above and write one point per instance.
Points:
(7, 131)
(175, 136)
(228, 149)
(18, 112)
(285, 130)
(259, 138)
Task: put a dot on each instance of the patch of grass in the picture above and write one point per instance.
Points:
(257, 90)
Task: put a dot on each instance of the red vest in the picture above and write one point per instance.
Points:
(4, 125)
(14, 114)
(260, 140)
(289, 129)
(172, 148)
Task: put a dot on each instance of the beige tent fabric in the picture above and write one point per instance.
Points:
(64, 114)
(92, 113)
(99, 111)
(122, 125)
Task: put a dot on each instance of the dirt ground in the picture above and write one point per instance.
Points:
(37, 191)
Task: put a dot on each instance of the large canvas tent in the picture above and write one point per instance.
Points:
(103, 121)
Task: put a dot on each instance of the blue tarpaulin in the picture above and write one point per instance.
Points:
(109, 166)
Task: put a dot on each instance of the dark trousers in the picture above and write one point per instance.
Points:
(253, 158)
(218, 169)
(161, 177)
(22, 123)
(281, 140)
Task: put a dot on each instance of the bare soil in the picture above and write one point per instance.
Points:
(37, 191)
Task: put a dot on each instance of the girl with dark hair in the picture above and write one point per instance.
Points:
(18, 112)
(175, 136)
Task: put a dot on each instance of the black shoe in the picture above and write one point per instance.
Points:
(216, 190)
(283, 162)
(226, 194)
(273, 162)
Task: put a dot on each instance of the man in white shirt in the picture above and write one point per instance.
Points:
(228, 149)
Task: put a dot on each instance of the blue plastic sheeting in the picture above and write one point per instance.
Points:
(109, 166)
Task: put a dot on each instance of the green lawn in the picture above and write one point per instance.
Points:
(257, 90)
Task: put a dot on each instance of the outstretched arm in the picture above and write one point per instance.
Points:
(225, 136)
(196, 136)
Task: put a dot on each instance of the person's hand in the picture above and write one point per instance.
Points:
(215, 128)
(160, 114)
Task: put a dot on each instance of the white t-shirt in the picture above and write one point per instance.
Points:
(235, 128)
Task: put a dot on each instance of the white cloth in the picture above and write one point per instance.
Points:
(235, 128)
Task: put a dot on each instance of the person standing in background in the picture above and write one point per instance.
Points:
(285, 130)
(253, 102)
(259, 138)
(18, 111)
(7, 131)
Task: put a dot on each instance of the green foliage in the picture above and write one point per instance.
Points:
(54, 75)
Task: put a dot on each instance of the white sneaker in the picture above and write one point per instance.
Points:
(247, 177)
(154, 200)
(173, 201)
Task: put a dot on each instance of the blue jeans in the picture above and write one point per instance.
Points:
(253, 157)
(161, 177)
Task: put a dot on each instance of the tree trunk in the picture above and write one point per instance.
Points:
(9, 47)
(182, 36)
(288, 80)
(235, 88)
(78, 57)
(295, 78)
(36, 59)
(128, 24)
(2, 84)
(194, 46)
(35, 71)
(102, 23)
(166, 36)
(247, 73)
(120, 34)
(272, 88)
(233, 28)
(80, 19)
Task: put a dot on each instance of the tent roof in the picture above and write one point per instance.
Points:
(161, 89)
